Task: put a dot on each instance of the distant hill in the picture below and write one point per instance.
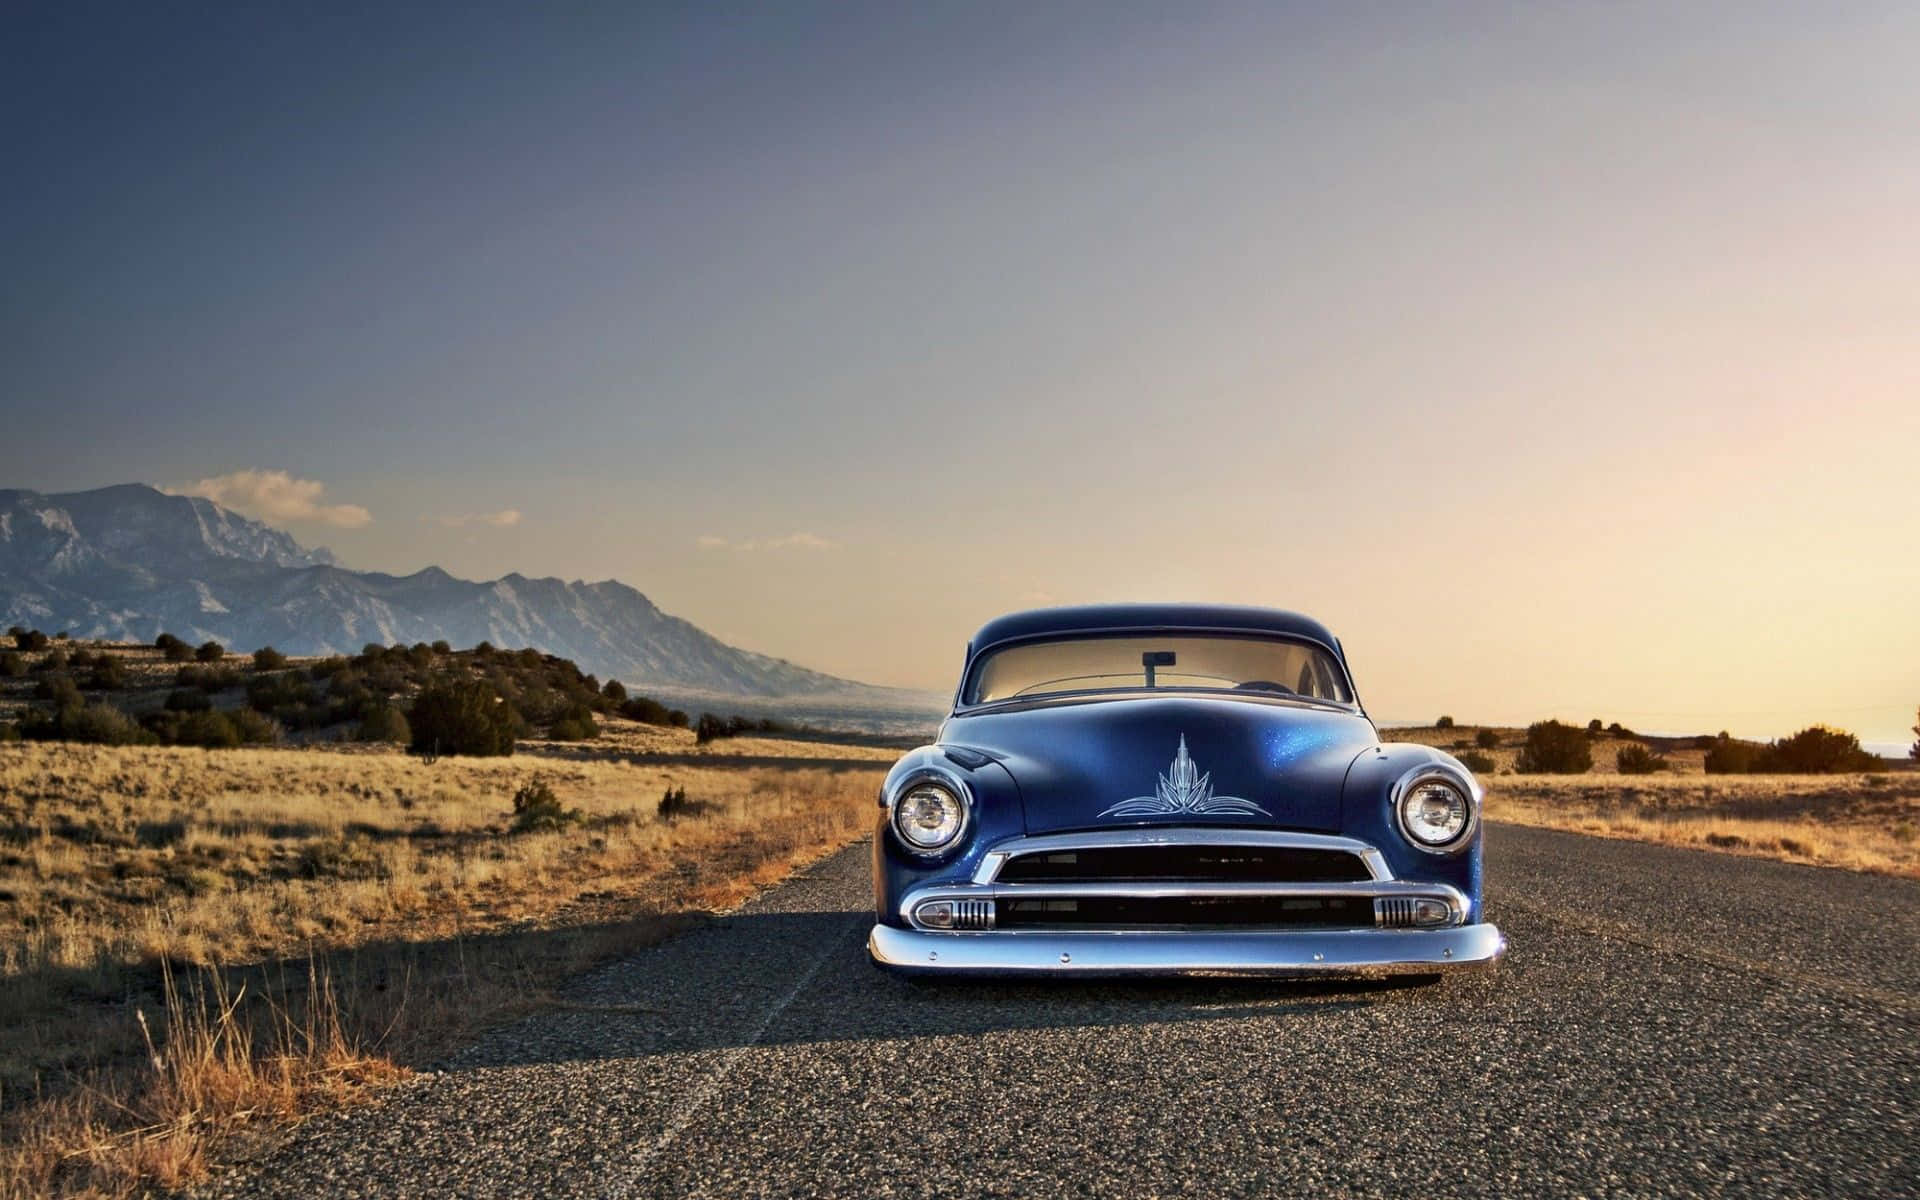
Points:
(130, 562)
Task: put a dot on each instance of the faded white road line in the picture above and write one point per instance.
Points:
(723, 1070)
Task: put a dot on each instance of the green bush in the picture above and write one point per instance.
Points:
(9, 732)
(1486, 739)
(1478, 763)
(58, 689)
(12, 665)
(98, 723)
(209, 652)
(383, 723)
(31, 639)
(537, 809)
(1444, 723)
(266, 658)
(188, 700)
(442, 648)
(575, 724)
(166, 641)
(1730, 756)
(709, 728)
(615, 691)
(673, 802)
(1636, 759)
(1817, 750)
(56, 661)
(1554, 749)
(177, 651)
(207, 679)
(1594, 726)
(210, 729)
(107, 674)
(252, 728)
(456, 717)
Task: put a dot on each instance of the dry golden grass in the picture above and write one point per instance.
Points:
(1860, 822)
(339, 913)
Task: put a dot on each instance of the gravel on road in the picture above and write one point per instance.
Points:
(1668, 1022)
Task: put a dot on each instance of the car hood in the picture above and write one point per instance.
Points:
(1152, 760)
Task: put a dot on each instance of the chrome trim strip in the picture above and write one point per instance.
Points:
(1177, 835)
(1290, 953)
(1455, 900)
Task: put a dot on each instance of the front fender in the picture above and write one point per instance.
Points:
(996, 816)
(1367, 813)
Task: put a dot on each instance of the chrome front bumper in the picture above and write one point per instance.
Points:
(1317, 952)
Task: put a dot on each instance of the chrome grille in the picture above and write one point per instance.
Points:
(973, 914)
(1393, 912)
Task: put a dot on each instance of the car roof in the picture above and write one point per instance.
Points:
(1159, 618)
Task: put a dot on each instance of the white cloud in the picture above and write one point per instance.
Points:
(277, 496)
(800, 540)
(506, 518)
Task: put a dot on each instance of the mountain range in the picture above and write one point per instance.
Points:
(129, 562)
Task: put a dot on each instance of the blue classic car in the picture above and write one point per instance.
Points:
(1163, 789)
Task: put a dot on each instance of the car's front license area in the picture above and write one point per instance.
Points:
(1184, 900)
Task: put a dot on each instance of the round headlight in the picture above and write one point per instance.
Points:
(929, 817)
(1435, 813)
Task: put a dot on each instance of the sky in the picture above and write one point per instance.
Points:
(1564, 359)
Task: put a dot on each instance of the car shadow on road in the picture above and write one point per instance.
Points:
(772, 979)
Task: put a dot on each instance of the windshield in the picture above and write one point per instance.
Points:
(1183, 662)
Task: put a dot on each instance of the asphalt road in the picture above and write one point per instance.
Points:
(1667, 1022)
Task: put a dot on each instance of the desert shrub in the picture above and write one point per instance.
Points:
(576, 723)
(1486, 739)
(98, 723)
(266, 658)
(30, 639)
(56, 661)
(188, 700)
(1473, 760)
(673, 803)
(9, 732)
(207, 679)
(383, 723)
(536, 808)
(209, 652)
(59, 689)
(107, 674)
(1444, 723)
(327, 668)
(252, 728)
(177, 652)
(12, 665)
(82, 658)
(1913, 752)
(646, 710)
(1816, 750)
(1619, 730)
(166, 641)
(1637, 759)
(441, 647)
(210, 729)
(1729, 756)
(456, 717)
(615, 691)
(271, 693)
(1594, 725)
(709, 728)
(1554, 749)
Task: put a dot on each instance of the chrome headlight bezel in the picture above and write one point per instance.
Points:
(1408, 787)
(947, 782)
